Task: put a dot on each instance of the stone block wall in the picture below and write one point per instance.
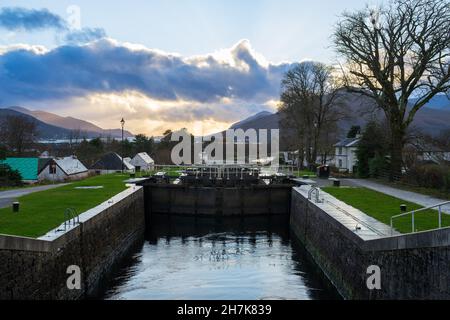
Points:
(413, 266)
(36, 268)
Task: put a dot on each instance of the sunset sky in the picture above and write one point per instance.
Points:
(197, 64)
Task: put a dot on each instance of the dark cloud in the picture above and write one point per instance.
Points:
(105, 66)
(19, 19)
(30, 19)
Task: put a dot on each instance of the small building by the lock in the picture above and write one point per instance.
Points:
(111, 163)
(61, 169)
(142, 162)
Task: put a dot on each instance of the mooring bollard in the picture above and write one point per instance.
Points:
(15, 206)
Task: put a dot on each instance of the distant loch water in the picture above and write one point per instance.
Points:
(188, 258)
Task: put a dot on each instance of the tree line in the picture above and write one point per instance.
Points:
(397, 55)
(19, 138)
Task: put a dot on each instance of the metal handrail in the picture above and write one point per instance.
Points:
(71, 218)
(280, 168)
(413, 212)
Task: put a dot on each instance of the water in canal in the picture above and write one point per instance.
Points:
(188, 258)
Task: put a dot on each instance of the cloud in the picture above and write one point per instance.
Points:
(22, 19)
(146, 115)
(30, 19)
(107, 66)
(84, 35)
(100, 79)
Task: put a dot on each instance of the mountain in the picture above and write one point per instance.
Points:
(261, 114)
(45, 131)
(71, 123)
(429, 119)
(438, 102)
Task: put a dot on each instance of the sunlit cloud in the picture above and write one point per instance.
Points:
(100, 79)
(103, 80)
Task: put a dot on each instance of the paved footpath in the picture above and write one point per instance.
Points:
(9, 196)
(414, 197)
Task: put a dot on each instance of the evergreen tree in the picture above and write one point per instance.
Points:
(372, 145)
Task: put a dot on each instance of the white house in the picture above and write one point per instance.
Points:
(45, 155)
(142, 162)
(345, 157)
(62, 169)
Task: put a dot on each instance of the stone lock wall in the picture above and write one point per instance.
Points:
(36, 268)
(413, 266)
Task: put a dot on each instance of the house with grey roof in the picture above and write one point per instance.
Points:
(345, 155)
(111, 163)
(62, 169)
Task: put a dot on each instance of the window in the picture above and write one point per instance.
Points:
(340, 163)
(340, 150)
(52, 168)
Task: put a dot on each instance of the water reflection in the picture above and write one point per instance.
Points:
(192, 258)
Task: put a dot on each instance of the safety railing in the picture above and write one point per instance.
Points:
(223, 169)
(414, 212)
(316, 191)
(71, 218)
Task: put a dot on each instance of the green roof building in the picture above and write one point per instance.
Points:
(28, 167)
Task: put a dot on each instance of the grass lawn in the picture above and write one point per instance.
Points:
(16, 187)
(25, 186)
(441, 194)
(44, 210)
(381, 207)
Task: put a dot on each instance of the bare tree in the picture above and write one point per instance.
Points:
(74, 138)
(18, 133)
(312, 101)
(395, 54)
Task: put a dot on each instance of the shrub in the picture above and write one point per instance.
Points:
(430, 176)
(377, 166)
(447, 181)
(9, 177)
(372, 144)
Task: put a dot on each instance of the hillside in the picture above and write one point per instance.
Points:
(247, 123)
(45, 131)
(71, 123)
(439, 102)
(360, 109)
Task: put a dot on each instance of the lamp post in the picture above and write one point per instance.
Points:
(122, 122)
